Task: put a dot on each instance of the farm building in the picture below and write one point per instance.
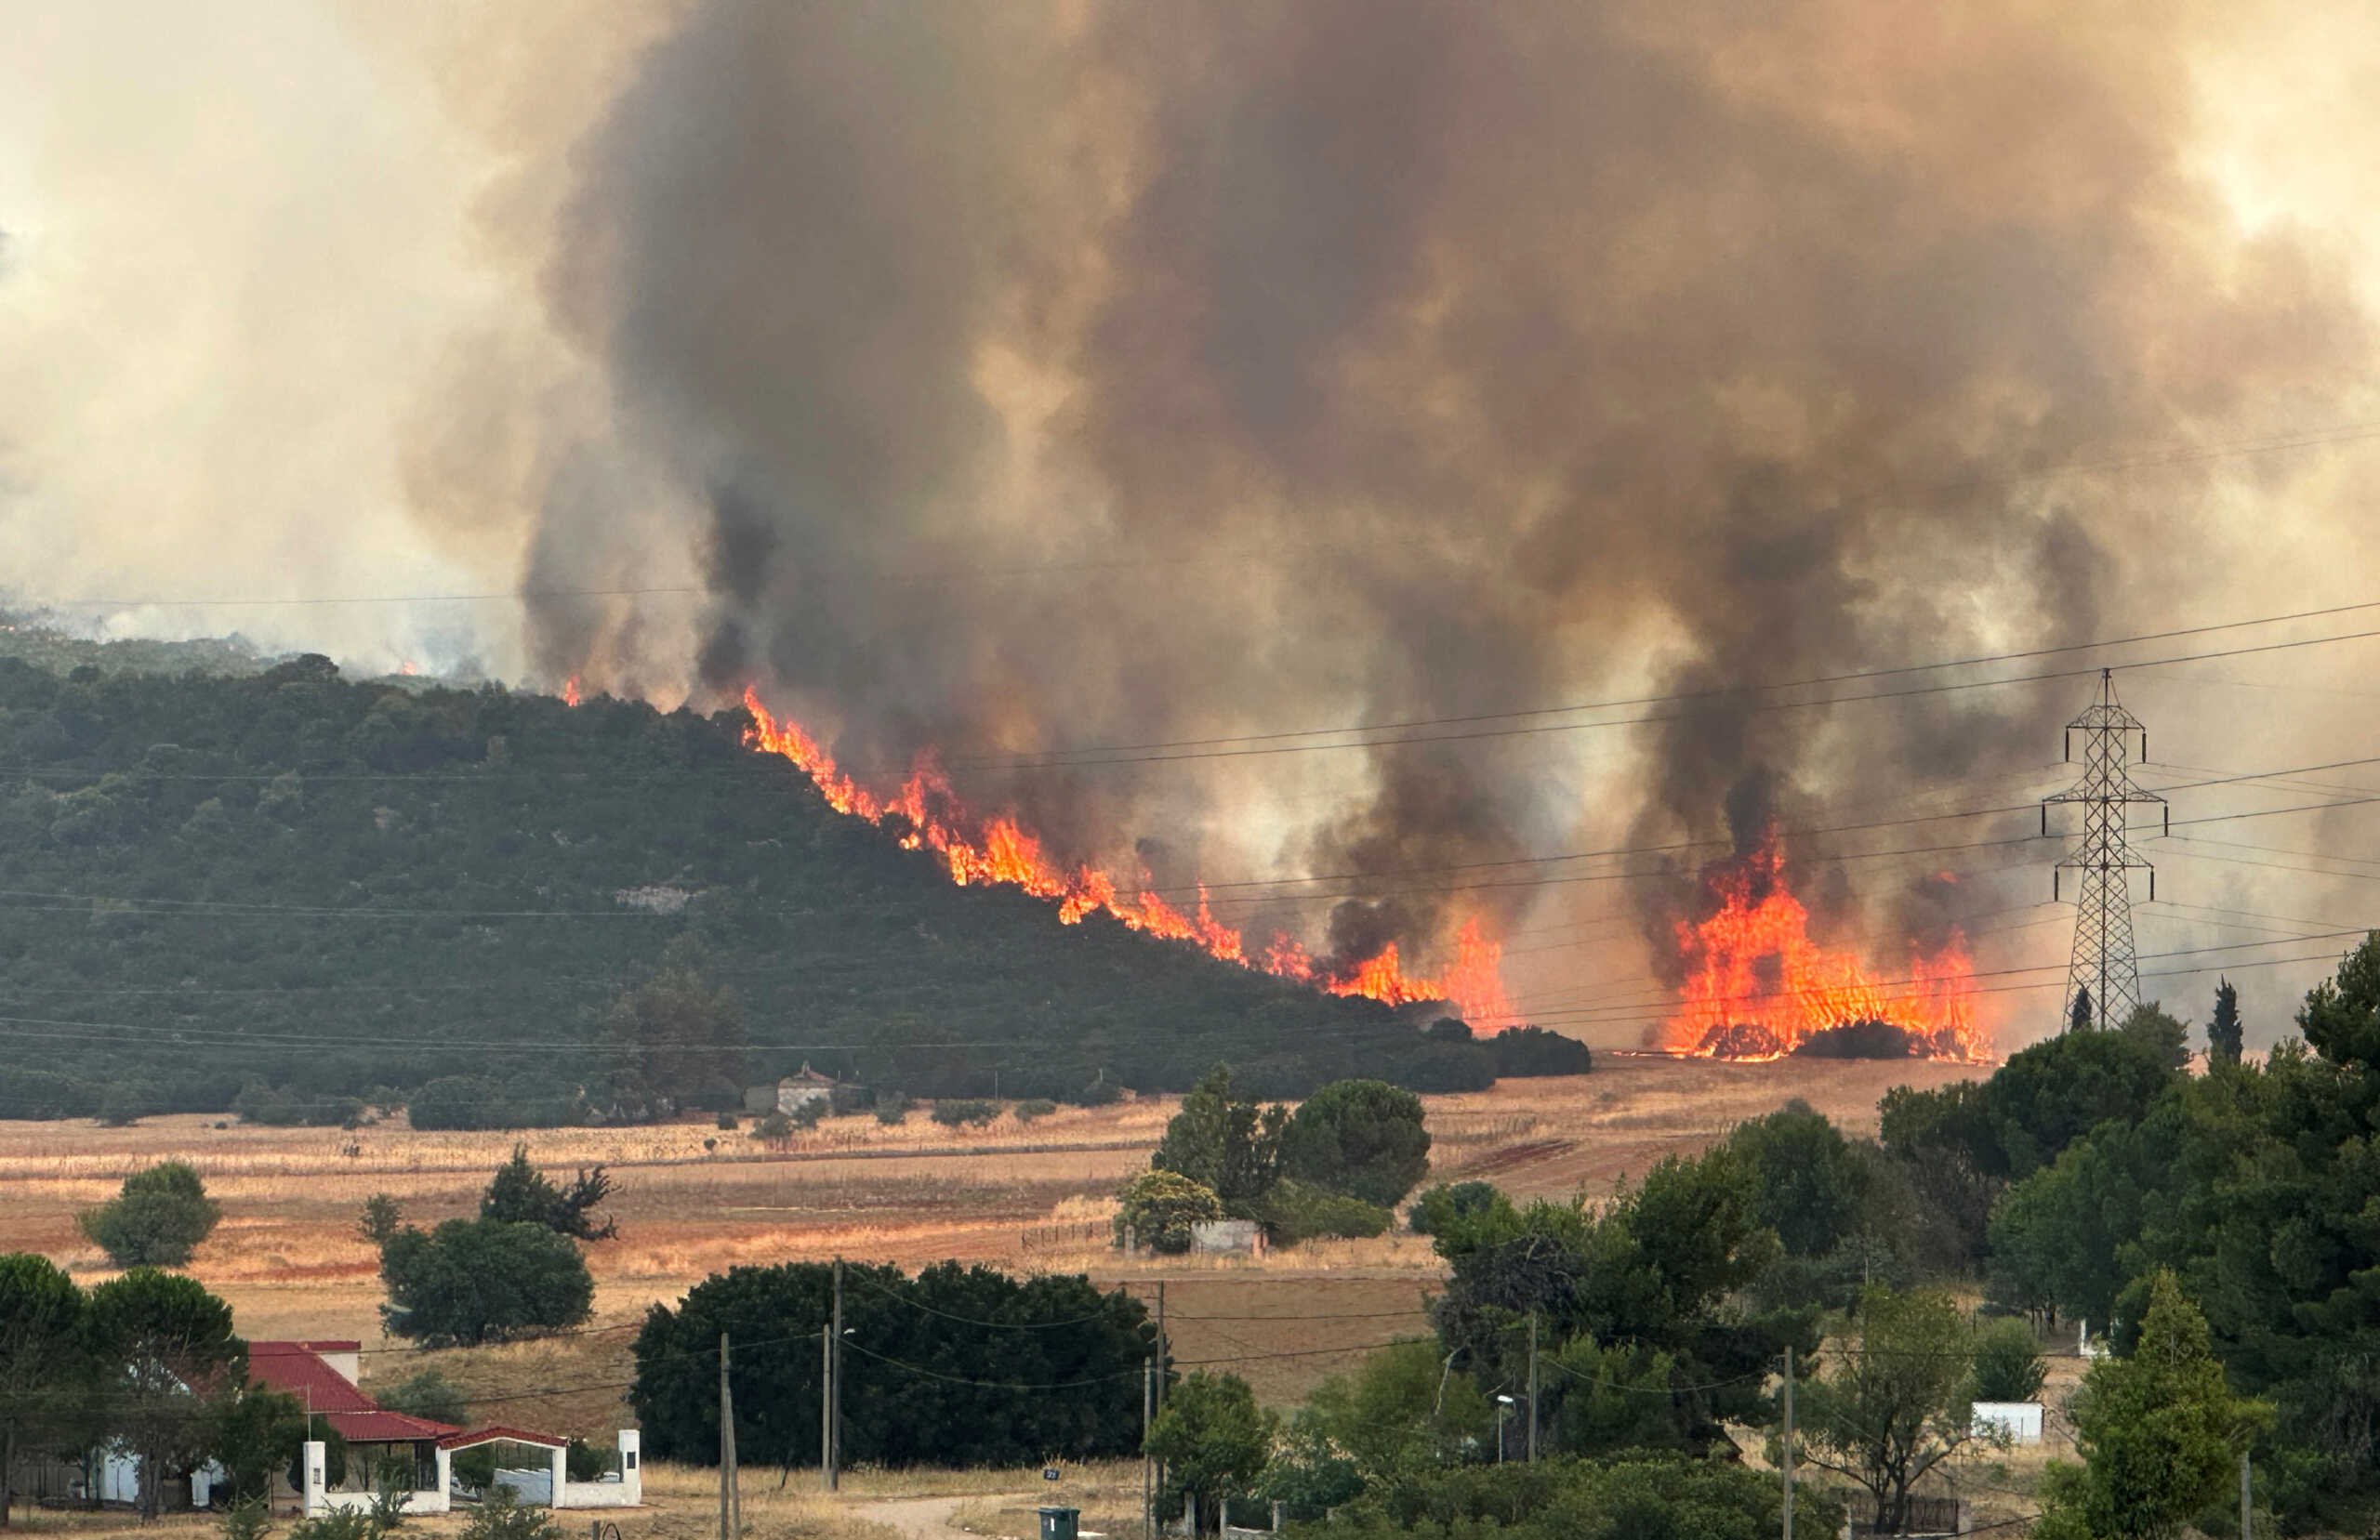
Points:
(792, 1094)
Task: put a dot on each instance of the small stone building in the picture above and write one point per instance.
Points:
(792, 1094)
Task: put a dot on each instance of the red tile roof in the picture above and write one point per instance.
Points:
(297, 1368)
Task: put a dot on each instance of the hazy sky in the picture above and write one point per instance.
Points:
(1586, 354)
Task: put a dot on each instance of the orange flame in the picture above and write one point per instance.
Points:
(926, 814)
(570, 690)
(1758, 986)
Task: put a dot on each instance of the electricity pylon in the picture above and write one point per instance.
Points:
(2104, 974)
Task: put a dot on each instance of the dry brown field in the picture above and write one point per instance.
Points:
(1032, 1198)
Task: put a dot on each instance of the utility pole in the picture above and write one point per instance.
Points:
(827, 1405)
(1532, 1387)
(2244, 1490)
(1164, 1362)
(2104, 961)
(835, 1388)
(1787, 1461)
(1148, 1483)
(731, 1506)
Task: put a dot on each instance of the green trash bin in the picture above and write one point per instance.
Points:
(1060, 1523)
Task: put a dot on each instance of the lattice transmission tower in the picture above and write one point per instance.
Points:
(2105, 973)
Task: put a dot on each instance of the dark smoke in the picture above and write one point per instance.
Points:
(1079, 376)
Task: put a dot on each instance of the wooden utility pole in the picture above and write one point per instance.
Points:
(1532, 1387)
(1787, 1460)
(827, 1405)
(835, 1388)
(731, 1507)
(1148, 1482)
(2245, 1490)
(1164, 1361)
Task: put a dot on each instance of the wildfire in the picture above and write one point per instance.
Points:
(926, 814)
(570, 695)
(1759, 987)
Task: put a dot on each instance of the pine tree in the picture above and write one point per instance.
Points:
(2223, 1034)
(2079, 1020)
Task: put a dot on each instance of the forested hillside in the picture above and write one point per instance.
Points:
(348, 890)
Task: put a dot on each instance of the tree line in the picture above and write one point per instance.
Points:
(307, 898)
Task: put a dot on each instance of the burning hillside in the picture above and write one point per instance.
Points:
(1758, 987)
(926, 814)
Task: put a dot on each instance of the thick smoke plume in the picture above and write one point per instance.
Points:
(1038, 380)
(1033, 384)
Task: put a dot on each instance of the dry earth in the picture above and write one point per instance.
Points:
(1029, 1197)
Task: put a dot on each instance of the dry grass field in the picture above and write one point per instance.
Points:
(1035, 1197)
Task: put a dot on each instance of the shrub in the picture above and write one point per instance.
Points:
(726, 1123)
(1160, 1206)
(460, 1101)
(1521, 1052)
(2007, 1362)
(810, 1112)
(157, 1220)
(1435, 1211)
(474, 1281)
(251, 1520)
(584, 1462)
(500, 1517)
(1295, 1212)
(339, 1523)
(1038, 1106)
(968, 1113)
(892, 1107)
(774, 1130)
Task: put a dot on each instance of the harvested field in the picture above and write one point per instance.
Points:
(1031, 1197)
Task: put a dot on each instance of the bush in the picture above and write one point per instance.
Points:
(1521, 1052)
(1159, 1209)
(2007, 1362)
(474, 1281)
(1295, 1212)
(251, 1520)
(892, 1107)
(157, 1220)
(339, 1523)
(1038, 1106)
(774, 1130)
(500, 1517)
(460, 1101)
(968, 1113)
(1439, 1208)
(583, 1462)
(726, 1123)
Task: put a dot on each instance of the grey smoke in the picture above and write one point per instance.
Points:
(1041, 377)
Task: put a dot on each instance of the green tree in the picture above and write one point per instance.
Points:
(2160, 1432)
(474, 1281)
(1444, 1208)
(1808, 1182)
(428, 1394)
(521, 1196)
(46, 1372)
(166, 1343)
(2224, 1036)
(2007, 1362)
(257, 1432)
(2078, 1019)
(1225, 1143)
(380, 1220)
(1362, 1137)
(682, 1037)
(1213, 1440)
(1892, 1408)
(1400, 1416)
(157, 1220)
(1160, 1206)
(460, 1101)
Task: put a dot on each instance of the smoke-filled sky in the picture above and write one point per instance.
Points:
(1024, 380)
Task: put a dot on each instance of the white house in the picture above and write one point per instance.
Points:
(792, 1094)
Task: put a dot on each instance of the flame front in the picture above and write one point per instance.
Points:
(1757, 987)
(926, 814)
